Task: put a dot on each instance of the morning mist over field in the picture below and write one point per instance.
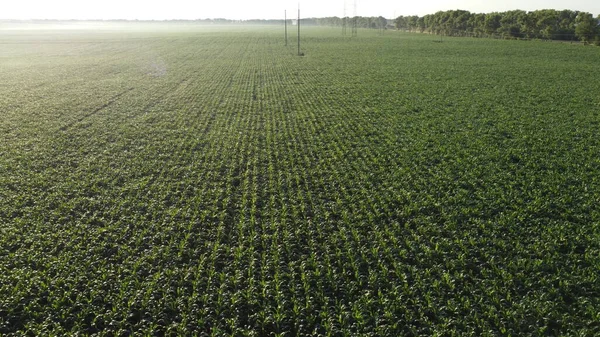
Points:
(263, 9)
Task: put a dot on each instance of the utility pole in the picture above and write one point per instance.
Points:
(344, 20)
(299, 29)
(285, 24)
(355, 22)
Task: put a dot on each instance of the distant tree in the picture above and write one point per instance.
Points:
(411, 23)
(566, 24)
(546, 22)
(492, 23)
(401, 22)
(586, 27)
(421, 24)
(461, 20)
(429, 23)
(528, 27)
(444, 22)
(597, 39)
(476, 24)
(511, 23)
(381, 22)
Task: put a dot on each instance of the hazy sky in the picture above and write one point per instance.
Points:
(265, 9)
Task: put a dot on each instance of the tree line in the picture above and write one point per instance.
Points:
(540, 24)
(546, 24)
(373, 22)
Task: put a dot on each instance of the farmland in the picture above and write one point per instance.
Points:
(177, 180)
